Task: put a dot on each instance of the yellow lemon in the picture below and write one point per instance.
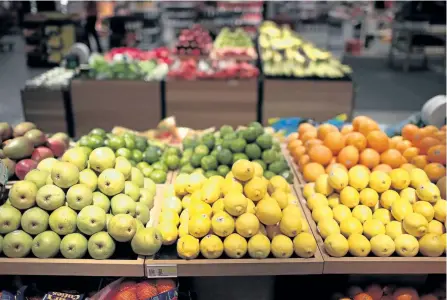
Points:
(440, 208)
(247, 225)
(255, 189)
(231, 185)
(195, 182)
(259, 171)
(169, 233)
(350, 226)
(235, 246)
(211, 246)
(406, 245)
(336, 245)
(383, 215)
(400, 179)
(169, 216)
(382, 245)
(425, 209)
(349, 197)
(415, 224)
(304, 225)
(290, 225)
(199, 226)
(369, 197)
(362, 213)
(291, 199)
(184, 216)
(400, 209)
(188, 247)
(243, 170)
(293, 210)
(305, 245)
(200, 208)
(333, 200)
(235, 203)
(394, 229)
(428, 192)
(359, 245)
(268, 212)
(322, 185)
(281, 197)
(278, 182)
(309, 189)
(186, 201)
(372, 228)
(210, 193)
(359, 177)
(316, 200)
(218, 206)
(180, 184)
(341, 212)
(183, 229)
(417, 177)
(282, 246)
(431, 245)
(379, 181)
(409, 194)
(444, 239)
(338, 178)
(327, 227)
(251, 208)
(436, 227)
(321, 213)
(259, 246)
(387, 198)
(222, 224)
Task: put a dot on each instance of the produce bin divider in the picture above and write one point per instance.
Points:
(68, 106)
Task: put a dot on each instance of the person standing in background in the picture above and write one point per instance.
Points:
(90, 26)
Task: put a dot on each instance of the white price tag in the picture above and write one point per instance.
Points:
(161, 271)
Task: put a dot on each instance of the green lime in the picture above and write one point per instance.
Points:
(133, 163)
(184, 160)
(95, 141)
(142, 164)
(129, 135)
(208, 174)
(198, 170)
(256, 125)
(86, 150)
(253, 151)
(226, 144)
(276, 147)
(116, 142)
(225, 157)
(158, 176)
(269, 156)
(151, 155)
(202, 149)
(208, 163)
(195, 159)
(214, 153)
(189, 143)
(269, 174)
(238, 145)
(137, 155)
(98, 131)
(188, 169)
(83, 141)
(106, 143)
(250, 134)
(278, 166)
(173, 151)
(208, 140)
(188, 152)
(147, 171)
(140, 143)
(230, 136)
(263, 165)
(264, 141)
(223, 170)
(226, 129)
(124, 152)
(160, 166)
(130, 142)
(173, 162)
(288, 176)
(237, 156)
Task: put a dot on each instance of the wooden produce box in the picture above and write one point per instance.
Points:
(320, 100)
(364, 265)
(202, 104)
(109, 103)
(45, 108)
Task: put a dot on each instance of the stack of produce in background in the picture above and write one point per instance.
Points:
(237, 43)
(86, 202)
(215, 153)
(284, 53)
(24, 146)
(239, 214)
(153, 159)
(194, 42)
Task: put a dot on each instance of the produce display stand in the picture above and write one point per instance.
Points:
(364, 265)
(129, 103)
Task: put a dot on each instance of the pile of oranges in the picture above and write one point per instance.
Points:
(316, 150)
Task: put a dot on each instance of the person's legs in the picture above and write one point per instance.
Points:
(90, 29)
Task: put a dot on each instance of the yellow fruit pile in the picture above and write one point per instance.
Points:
(239, 214)
(359, 211)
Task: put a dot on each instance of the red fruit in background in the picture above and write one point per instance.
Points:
(146, 290)
(126, 291)
(40, 153)
(24, 166)
(164, 285)
(57, 146)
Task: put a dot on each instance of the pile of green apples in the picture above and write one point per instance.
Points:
(153, 159)
(84, 203)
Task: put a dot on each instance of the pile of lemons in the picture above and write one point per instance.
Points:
(359, 212)
(239, 214)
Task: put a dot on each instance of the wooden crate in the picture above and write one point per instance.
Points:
(212, 103)
(109, 103)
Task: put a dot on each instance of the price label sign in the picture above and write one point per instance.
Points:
(161, 271)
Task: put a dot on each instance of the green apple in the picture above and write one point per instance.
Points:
(1, 244)
(124, 166)
(50, 197)
(139, 224)
(38, 177)
(123, 204)
(47, 164)
(108, 218)
(132, 190)
(79, 196)
(76, 156)
(143, 165)
(91, 219)
(142, 212)
(49, 180)
(64, 174)
(137, 177)
(147, 241)
(9, 218)
(17, 244)
(46, 244)
(23, 194)
(89, 178)
(73, 245)
(146, 198)
(122, 227)
(111, 182)
(63, 220)
(102, 158)
(101, 245)
(150, 185)
(35, 220)
(101, 200)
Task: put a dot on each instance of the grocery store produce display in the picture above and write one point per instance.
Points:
(284, 53)
(239, 214)
(84, 203)
(237, 43)
(24, 146)
(215, 153)
(153, 159)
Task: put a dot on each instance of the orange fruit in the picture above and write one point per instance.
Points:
(312, 142)
(363, 296)
(443, 128)
(164, 285)
(294, 144)
(383, 167)
(437, 154)
(391, 157)
(348, 156)
(410, 153)
(426, 143)
(430, 129)
(434, 171)
(378, 140)
(420, 161)
(303, 160)
(419, 136)
(395, 140)
(291, 137)
(359, 120)
(403, 145)
(368, 126)
(305, 127)
(324, 129)
(308, 135)
(312, 171)
(369, 158)
(335, 165)
(334, 141)
(146, 290)
(347, 129)
(407, 167)
(320, 154)
(408, 131)
(440, 135)
(357, 140)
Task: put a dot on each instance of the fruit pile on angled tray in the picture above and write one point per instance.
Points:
(195, 41)
(284, 53)
(85, 203)
(237, 43)
(24, 146)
